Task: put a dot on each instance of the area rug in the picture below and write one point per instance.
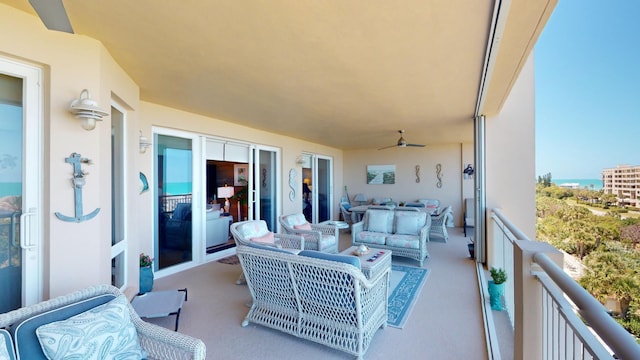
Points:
(231, 260)
(405, 284)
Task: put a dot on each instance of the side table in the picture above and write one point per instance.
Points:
(373, 262)
(160, 304)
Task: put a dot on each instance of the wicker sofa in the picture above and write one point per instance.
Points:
(404, 232)
(156, 341)
(316, 296)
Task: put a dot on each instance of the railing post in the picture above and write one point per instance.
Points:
(528, 331)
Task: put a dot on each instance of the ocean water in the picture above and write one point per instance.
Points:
(597, 183)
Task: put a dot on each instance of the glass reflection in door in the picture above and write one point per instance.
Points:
(267, 188)
(174, 179)
(11, 145)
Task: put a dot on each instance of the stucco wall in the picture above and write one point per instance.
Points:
(449, 156)
(76, 255)
(510, 154)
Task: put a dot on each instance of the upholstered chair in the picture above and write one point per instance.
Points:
(316, 236)
(440, 222)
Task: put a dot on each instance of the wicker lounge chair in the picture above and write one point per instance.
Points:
(440, 222)
(158, 342)
(316, 236)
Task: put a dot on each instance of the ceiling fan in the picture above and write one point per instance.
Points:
(401, 142)
(52, 14)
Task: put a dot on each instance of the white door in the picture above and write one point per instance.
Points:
(265, 185)
(20, 184)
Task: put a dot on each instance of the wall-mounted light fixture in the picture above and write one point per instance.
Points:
(87, 110)
(144, 143)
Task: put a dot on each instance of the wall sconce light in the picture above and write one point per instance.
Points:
(144, 143)
(87, 110)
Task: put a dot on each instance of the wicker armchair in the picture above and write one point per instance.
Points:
(158, 342)
(256, 231)
(245, 232)
(316, 236)
(440, 222)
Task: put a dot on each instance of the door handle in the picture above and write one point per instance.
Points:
(23, 228)
(12, 231)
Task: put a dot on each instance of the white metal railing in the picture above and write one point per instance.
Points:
(503, 258)
(546, 305)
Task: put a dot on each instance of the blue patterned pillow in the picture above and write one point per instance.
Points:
(6, 346)
(104, 332)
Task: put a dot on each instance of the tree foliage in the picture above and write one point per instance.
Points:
(606, 244)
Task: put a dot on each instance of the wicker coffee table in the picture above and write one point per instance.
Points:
(373, 262)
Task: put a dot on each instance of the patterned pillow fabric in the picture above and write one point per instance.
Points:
(305, 226)
(294, 219)
(253, 229)
(104, 332)
(6, 346)
(267, 238)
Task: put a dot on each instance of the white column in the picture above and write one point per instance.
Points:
(528, 329)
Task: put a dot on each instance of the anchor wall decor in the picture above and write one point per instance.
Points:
(78, 181)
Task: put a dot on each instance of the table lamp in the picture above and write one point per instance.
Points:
(360, 198)
(225, 192)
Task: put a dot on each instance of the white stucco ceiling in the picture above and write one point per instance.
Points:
(346, 73)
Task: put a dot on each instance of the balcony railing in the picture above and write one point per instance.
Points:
(546, 306)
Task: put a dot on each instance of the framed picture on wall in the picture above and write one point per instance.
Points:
(240, 174)
(381, 174)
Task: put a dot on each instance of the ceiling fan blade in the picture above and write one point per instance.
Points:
(388, 147)
(52, 14)
(415, 145)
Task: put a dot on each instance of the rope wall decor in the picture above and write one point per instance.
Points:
(439, 175)
(417, 173)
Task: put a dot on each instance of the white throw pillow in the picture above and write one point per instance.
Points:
(378, 221)
(409, 223)
(104, 332)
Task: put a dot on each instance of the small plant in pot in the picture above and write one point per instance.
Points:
(496, 287)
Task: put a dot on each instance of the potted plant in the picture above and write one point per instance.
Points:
(146, 273)
(496, 288)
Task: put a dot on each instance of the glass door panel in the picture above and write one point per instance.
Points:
(323, 189)
(10, 193)
(316, 187)
(174, 179)
(20, 176)
(266, 186)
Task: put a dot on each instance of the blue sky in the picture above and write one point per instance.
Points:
(587, 71)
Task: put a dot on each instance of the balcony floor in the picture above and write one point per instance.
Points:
(445, 323)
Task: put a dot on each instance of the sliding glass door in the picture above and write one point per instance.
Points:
(176, 200)
(20, 177)
(266, 195)
(317, 186)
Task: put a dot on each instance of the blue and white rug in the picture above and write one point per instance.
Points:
(405, 284)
